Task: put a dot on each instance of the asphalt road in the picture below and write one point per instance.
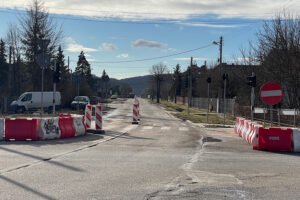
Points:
(161, 158)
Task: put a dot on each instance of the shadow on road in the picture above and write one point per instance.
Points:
(43, 159)
(125, 135)
(25, 187)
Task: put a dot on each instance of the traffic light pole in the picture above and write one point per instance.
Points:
(252, 99)
(54, 91)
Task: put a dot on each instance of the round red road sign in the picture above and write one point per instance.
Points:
(271, 93)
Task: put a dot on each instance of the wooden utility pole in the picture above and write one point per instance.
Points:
(190, 85)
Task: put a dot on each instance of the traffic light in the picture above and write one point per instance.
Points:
(56, 75)
(208, 80)
(225, 76)
(251, 81)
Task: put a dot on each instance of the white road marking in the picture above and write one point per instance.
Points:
(147, 127)
(183, 129)
(165, 128)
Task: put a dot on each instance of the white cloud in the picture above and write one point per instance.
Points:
(188, 58)
(108, 47)
(141, 43)
(123, 55)
(210, 25)
(164, 9)
(73, 46)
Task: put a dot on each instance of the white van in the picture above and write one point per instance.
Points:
(32, 101)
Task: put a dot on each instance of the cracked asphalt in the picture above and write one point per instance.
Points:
(161, 158)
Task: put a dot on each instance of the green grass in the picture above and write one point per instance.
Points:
(196, 115)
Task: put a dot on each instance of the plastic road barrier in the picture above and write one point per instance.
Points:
(241, 127)
(1, 129)
(48, 128)
(135, 114)
(249, 124)
(296, 140)
(88, 116)
(237, 123)
(21, 129)
(79, 126)
(274, 139)
(66, 126)
(98, 113)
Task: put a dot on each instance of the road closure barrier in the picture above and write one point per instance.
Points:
(88, 116)
(135, 114)
(274, 139)
(1, 129)
(66, 126)
(48, 128)
(21, 129)
(98, 121)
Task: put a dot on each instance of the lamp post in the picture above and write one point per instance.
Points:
(225, 76)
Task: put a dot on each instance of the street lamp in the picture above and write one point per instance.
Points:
(225, 76)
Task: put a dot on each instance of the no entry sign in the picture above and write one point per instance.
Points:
(271, 93)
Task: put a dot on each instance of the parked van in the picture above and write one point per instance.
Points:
(31, 101)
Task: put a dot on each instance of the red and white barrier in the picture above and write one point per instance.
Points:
(66, 126)
(88, 116)
(78, 121)
(21, 129)
(48, 128)
(98, 113)
(1, 129)
(136, 101)
(135, 114)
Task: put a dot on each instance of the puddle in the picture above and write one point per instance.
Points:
(210, 139)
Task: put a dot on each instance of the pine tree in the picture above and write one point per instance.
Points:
(2, 52)
(84, 69)
(104, 83)
(3, 64)
(37, 25)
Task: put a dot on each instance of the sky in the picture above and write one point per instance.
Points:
(127, 37)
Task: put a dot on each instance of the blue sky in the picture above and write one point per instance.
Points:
(113, 31)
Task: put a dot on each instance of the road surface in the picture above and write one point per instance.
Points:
(161, 158)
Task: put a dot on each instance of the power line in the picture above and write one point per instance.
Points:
(153, 58)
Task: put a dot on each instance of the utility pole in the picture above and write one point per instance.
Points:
(190, 85)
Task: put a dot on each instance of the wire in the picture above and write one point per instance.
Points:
(153, 58)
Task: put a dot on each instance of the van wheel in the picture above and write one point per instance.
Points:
(20, 109)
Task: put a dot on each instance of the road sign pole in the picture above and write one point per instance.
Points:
(295, 118)
(252, 99)
(271, 115)
(265, 118)
(224, 102)
(54, 91)
(207, 102)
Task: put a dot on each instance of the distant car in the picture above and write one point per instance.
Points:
(81, 101)
(114, 96)
(94, 100)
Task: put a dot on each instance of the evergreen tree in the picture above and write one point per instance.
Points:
(37, 25)
(2, 52)
(177, 81)
(104, 83)
(84, 69)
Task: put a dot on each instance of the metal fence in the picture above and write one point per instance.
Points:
(216, 105)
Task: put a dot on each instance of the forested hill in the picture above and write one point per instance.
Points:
(138, 84)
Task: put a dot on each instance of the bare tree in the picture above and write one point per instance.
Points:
(278, 52)
(158, 71)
